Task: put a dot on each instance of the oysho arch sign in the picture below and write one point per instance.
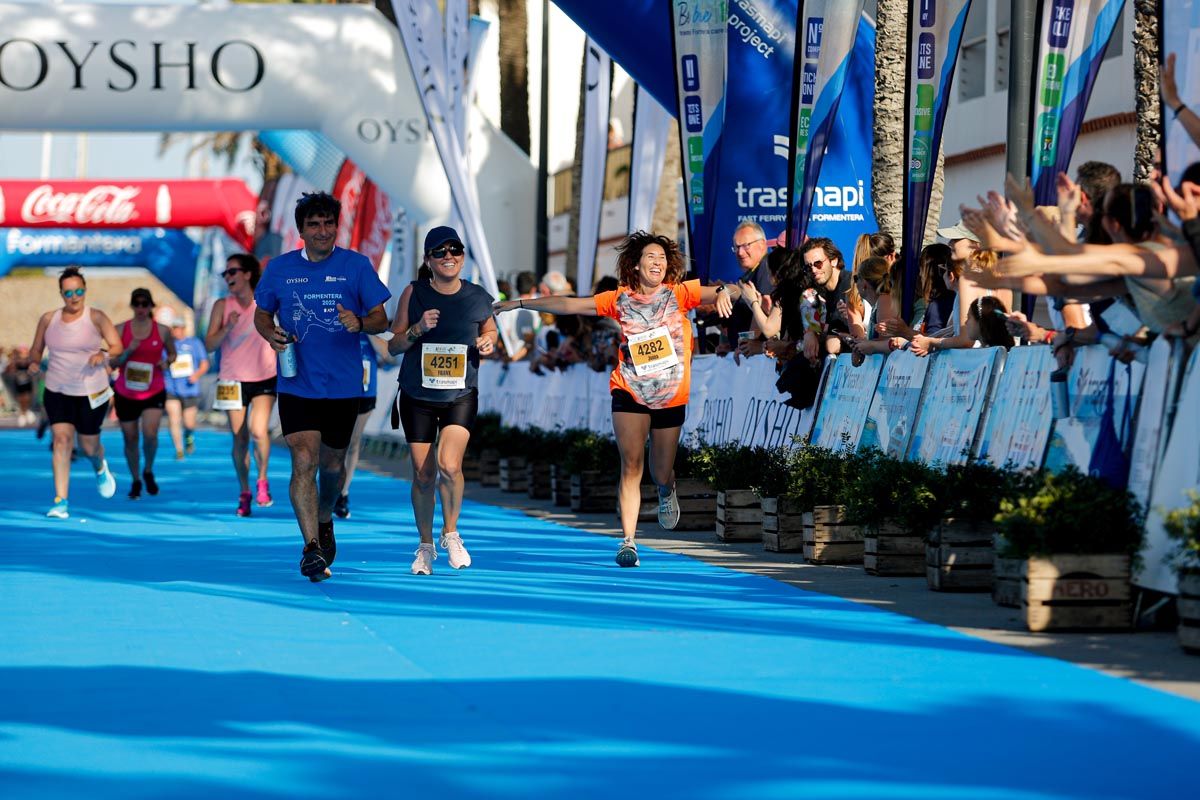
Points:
(226, 203)
(339, 70)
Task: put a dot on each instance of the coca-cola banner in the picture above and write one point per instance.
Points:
(227, 204)
(365, 223)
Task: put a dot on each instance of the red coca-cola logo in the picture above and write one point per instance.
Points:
(100, 205)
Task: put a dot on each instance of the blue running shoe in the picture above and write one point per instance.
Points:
(58, 510)
(106, 484)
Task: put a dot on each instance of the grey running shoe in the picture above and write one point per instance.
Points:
(627, 556)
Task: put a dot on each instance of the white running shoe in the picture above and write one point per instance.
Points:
(423, 563)
(59, 509)
(106, 484)
(452, 543)
(668, 510)
(627, 555)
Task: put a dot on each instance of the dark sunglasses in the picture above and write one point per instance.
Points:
(231, 271)
(452, 249)
(141, 304)
(74, 292)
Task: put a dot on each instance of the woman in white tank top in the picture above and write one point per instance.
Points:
(82, 341)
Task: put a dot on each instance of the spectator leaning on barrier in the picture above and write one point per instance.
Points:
(876, 280)
(750, 248)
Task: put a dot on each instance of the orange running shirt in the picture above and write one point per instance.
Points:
(636, 314)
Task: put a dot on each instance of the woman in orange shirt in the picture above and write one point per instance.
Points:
(650, 384)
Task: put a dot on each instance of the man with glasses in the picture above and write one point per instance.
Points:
(246, 381)
(750, 248)
(326, 297)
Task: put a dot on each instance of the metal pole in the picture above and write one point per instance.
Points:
(543, 178)
(1021, 69)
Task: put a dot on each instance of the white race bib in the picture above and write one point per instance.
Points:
(97, 399)
(229, 396)
(183, 366)
(138, 375)
(652, 351)
(444, 366)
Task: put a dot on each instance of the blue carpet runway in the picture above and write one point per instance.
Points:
(165, 648)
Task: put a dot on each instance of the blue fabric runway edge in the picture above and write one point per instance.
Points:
(166, 648)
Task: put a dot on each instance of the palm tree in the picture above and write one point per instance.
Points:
(514, 71)
(888, 167)
(666, 204)
(1146, 58)
(227, 145)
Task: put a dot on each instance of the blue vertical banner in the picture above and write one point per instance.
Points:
(1072, 38)
(1179, 30)
(822, 63)
(935, 33)
(699, 30)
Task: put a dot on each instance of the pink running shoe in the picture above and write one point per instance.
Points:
(263, 497)
(243, 509)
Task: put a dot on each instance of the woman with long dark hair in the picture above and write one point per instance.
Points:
(650, 385)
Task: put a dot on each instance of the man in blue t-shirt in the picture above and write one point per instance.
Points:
(319, 300)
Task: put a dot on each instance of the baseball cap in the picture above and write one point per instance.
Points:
(440, 235)
(957, 231)
(141, 294)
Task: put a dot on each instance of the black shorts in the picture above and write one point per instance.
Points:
(333, 419)
(366, 404)
(252, 389)
(74, 410)
(622, 401)
(130, 410)
(186, 402)
(422, 420)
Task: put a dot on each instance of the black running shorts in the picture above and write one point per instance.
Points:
(333, 419)
(192, 401)
(74, 410)
(130, 410)
(366, 404)
(622, 401)
(422, 419)
(252, 389)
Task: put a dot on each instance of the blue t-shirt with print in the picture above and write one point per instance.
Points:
(304, 297)
(179, 387)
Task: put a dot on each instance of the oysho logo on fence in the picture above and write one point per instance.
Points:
(756, 29)
(101, 205)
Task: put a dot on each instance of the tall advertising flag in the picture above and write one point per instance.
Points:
(1072, 38)
(1180, 31)
(821, 64)
(935, 33)
(699, 30)
(596, 105)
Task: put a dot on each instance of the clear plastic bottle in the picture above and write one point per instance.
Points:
(287, 360)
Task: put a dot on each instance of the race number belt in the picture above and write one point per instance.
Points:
(443, 366)
(183, 366)
(97, 399)
(138, 375)
(229, 396)
(652, 351)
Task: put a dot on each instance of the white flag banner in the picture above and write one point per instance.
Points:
(458, 46)
(596, 101)
(426, 56)
(651, 131)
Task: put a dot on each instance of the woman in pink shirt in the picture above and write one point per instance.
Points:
(80, 341)
(141, 390)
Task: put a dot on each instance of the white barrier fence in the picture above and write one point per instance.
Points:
(982, 402)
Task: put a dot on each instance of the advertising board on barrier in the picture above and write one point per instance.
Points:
(845, 403)
(1074, 437)
(1018, 420)
(958, 388)
(1153, 416)
(889, 423)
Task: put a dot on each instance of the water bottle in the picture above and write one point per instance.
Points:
(1058, 394)
(287, 360)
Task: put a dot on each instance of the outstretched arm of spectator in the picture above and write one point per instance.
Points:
(1105, 261)
(1174, 105)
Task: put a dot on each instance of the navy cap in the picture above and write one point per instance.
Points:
(440, 235)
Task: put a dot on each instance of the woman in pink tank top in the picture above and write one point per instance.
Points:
(80, 341)
(141, 390)
(246, 389)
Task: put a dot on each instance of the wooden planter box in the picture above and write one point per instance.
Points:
(959, 557)
(560, 486)
(470, 469)
(783, 525)
(739, 516)
(1006, 576)
(891, 553)
(590, 496)
(512, 474)
(489, 468)
(1189, 609)
(537, 480)
(829, 540)
(648, 510)
(697, 505)
(1066, 592)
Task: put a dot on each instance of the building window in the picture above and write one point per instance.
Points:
(972, 58)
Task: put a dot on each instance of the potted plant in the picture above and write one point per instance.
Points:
(483, 459)
(697, 498)
(960, 552)
(1183, 525)
(560, 476)
(782, 513)
(538, 461)
(896, 503)
(730, 469)
(1077, 538)
(594, 464)
(821, 479)
(514, 445)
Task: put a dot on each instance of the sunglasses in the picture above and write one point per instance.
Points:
(231, 271)
(452, 249)
(141, 304)
(74, 292)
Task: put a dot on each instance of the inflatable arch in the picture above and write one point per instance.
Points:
(339, 70)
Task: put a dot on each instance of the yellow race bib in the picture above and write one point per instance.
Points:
(444, 366)
(652, 351)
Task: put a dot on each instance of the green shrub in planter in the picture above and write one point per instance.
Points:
(773, 474)
(483, 434)
(882, 490)
(819, 477)
(730, 466)
(1183, 525)
(1069, 513)
(587, 451)
(972, 492)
